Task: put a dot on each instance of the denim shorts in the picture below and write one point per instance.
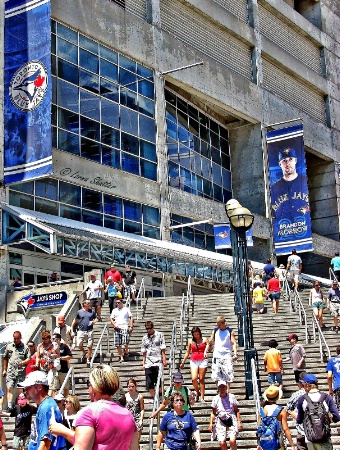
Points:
(275, 377)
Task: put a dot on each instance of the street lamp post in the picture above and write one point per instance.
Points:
(241, 219)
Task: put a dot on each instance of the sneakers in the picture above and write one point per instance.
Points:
(88, 363)
(83, 357)
(336, 329)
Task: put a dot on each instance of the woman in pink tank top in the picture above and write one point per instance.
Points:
(198, 362)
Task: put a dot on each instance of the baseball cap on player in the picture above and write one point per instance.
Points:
(288, 152)
(33, 378)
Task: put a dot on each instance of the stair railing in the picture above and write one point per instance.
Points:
(173, 349)
(322, 339)
(255, 382)
(332, 275)
(99, 345)
(187, 311)
(69, 374)
(287, 291)
(156, 404)
(302, 312)
(139, 299)
(181, 321)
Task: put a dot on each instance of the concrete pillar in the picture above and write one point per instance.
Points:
(168, 284)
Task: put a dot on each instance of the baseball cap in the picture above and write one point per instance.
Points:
(178, 377)
(59, 397)
(221, 383)
(292, 336)
(281, 266)
(272, 393)
(93, 274)
(112, 265)
(309, 378)
(335, 282)
(33, 378)
(109, 278)
(288, 152)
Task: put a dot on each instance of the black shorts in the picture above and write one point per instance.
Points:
(151, 375)
(297, 374)
(95, 302)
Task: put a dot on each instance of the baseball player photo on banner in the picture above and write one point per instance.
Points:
(290, 208)
(27, 90)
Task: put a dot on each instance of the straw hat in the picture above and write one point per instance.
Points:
(273, 393)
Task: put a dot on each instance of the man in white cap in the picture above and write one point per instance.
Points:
(35, 387)
(93, 291)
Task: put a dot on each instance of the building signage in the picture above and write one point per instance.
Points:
(32, 301)
(27, 90)
(222, 236)
(290, 208)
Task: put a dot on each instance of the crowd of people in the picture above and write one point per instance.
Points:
(48, 417)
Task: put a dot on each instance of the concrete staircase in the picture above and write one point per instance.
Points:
(162, 311)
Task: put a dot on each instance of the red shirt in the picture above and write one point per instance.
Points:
(273, 285)
(115, 274)
(31, 363)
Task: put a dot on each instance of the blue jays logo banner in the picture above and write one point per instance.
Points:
(289, 190)
(222, 236)
(27, 90)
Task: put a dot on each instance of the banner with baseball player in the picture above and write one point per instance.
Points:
(222, 236)
(27, 90)
(289, 196)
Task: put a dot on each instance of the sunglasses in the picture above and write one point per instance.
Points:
(30, 346)
(148, 328)
(88, 383)
(178, 401)
(46, 338)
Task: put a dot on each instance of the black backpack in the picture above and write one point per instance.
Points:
(316, 421)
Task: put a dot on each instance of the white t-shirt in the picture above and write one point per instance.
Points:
(224, 404)
(121, 316)
(222, 346)
(295, 262)
(92, 289)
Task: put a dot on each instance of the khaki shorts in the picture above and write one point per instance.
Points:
(85, 336)
(61, 378)
(21, 441)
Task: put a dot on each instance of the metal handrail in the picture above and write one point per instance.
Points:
(256, 392)
(156, 404)
(140, 297)
(322, 339)
(173, 350)
(286, 288)
(181, 320)
(302, 312)
(332, 275)
(99, 344)
(69, 374)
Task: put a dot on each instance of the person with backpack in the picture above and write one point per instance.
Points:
(189, 398)
(225, 419)
(291, 408)
(224, 342)
(272, 420)
(316, 410)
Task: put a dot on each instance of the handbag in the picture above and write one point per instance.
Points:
(227, 422)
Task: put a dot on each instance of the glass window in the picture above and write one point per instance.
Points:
(111, 157)
(130, 143)
(217, 175)
(67, 51)
(68, 120)
(148, 170)
(89, 81)
(126, 77)
(132, 227)
(151, 232)
(132, 210)
(108, 70)
(109, 113)
(67, 71)
(113, 223)
(68, 95)
(28, 279)
(148, 151)
(146, 88)
(70, 212)
(88, 61)
(47, 188)
(129, 121)
(46, 206)
(109, 90)
(92, 200)
(127, 63)
(90, 128)
(113, 206)
(108, 54)
(69, 193)
(89, 44)
(89, 105)
(130, 163)
(150, 215)
(92, 218)
(110, 136)
(144, 71)
(68, 142)
(15, 258)
(90, 149)
(226, 183)
(128, 98)
(147, 128)
(28, 187)
(67, 33)
(146, 106)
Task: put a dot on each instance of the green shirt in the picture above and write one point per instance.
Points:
(171, 390)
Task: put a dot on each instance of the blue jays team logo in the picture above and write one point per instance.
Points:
(28, 86)
(223, 235)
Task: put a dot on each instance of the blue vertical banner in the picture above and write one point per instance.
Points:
(27, 90)
(222, 236)
(289, 196)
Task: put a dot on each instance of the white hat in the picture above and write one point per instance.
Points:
(33, 378)
(221, 383)
(59, 397)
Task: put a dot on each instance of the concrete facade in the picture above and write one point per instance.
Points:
(250, 77)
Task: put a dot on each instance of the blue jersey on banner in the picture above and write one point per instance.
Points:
(289, 190)
(27, 99)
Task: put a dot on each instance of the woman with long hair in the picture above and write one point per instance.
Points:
(198, 362)
(316, 301)
(135, 404)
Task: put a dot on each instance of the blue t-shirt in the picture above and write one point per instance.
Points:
(85, 317)
(111, 290)
(336, 263)
(268, 268)
(334, 365)
(178, 429)
(46, 410)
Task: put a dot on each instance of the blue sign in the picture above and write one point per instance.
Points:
(222, 236)
(27, 90)
(290, 209)
(32, 301)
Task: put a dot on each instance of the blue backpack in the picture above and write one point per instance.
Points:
(269, 430)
